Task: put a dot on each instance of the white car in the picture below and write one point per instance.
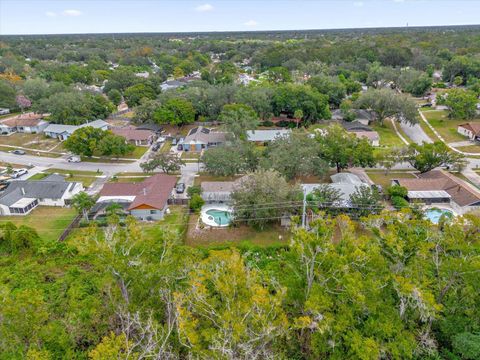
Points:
(19, 172)
(74, 159)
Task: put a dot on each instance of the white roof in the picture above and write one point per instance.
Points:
(267, 135)
(347, 178)
(431, 194)
(23, 202)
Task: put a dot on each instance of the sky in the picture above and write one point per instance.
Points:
(117, 16)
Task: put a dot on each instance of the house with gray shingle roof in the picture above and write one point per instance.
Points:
(21, 197)
(63, 132)
(200, 138)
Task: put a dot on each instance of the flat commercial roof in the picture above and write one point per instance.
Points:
(433, 194)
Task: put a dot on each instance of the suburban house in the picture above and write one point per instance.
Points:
(214, 192)
(147, 200)
(362, 131)
(200, 138)
(441, 187)
(63, 132)
(135, 136)
(345, 183)
(265, 136)
(29, 123)
(470, 130)
(362, 116)
(21, 197)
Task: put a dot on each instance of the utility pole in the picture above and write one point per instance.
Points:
(304, 207)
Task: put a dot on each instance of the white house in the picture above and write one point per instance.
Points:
(63, 132)
(470, 130)
(21, 197)
(29, 123)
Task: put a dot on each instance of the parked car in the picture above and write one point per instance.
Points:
(19, 172)
(18, 152)
(180, 188)
(174, 141)
(74, 159)
(156, 146)
(161, 139)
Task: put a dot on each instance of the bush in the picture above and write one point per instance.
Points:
(396, 190)
(194, 190)
(399, 202)
(467, 345)
(267, 123)
(196, 202)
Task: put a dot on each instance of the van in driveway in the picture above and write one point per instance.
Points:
(74, 159)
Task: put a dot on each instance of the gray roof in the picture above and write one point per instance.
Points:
(346, 178)
(267, 135)
(346, 190)
(203, 135)
(60, 128)
(49, 188)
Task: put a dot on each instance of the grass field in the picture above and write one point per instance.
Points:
(388, 136)
(31, 141)
(471, 148)
(137, 153)
(385, 180)
(49, 222)
(446, 127)
(85, 177)
(176, 221)
(31, 152)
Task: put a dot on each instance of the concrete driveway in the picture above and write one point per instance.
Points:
(415, 133)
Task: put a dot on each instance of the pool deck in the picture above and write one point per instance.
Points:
(208, 220)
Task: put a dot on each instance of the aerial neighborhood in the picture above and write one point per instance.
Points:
(290, 195)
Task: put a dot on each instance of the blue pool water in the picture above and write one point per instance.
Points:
(434, 215)
(221, 217)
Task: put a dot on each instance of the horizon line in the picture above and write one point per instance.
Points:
(246, 30)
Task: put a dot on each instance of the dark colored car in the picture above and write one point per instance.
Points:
(156, 146)
(180, 188)
(18, 152)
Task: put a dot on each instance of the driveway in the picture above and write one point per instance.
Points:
(415, 133)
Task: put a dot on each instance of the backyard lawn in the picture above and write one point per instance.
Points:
(446, 127)
(48, 221)
(177, 221)
(380, 178)
(271, 235)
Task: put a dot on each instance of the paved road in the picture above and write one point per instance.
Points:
(415, 133)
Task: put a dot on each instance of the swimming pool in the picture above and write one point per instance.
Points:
(434, 214)
(220, 217)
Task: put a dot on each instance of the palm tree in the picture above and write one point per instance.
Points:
(83, 202)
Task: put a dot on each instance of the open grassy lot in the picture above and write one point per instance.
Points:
(48, 221)
(271, 235)
(385, 180)
(31, 141)
(446, 127)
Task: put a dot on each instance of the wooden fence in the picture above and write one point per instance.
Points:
(69, 229)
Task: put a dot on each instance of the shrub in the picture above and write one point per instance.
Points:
(396, 190)
(192, 190)
(196, 202)
(399, 202)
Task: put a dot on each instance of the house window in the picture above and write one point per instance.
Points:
(153, 211)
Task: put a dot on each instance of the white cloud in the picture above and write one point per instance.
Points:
(72, 12)
(358, 3)
(50, 13)
(204, 8)
(250, 23)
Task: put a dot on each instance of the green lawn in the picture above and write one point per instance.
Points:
(85, 177)
(177, 221)
(470, 148)
(388, 136)
(446, 127)
(47, 220)
(189, 155)
(30, 152)
(128, 179)
(137, 153)
(38, 176)
(104, 160)
(385, 180)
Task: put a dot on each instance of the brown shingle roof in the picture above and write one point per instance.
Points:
(28, 119)
(153, 191)
(462, 193)
(133, 134)
(474, 127)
